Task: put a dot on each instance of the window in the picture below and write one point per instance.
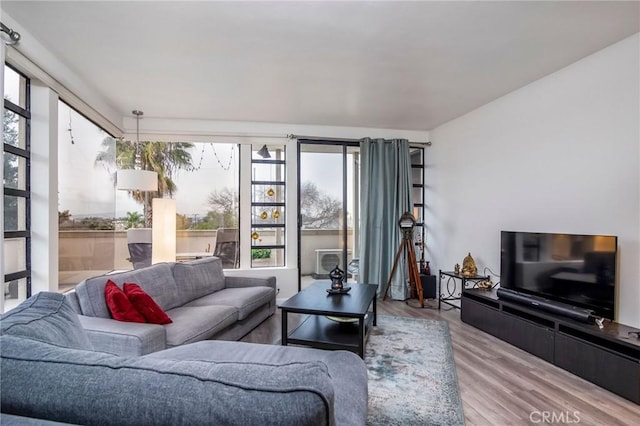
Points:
(87, 242)
(203, 179)
(16, 157)
(268, 206)
(329, 209)
(208, 205)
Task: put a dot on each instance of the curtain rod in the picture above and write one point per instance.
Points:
(14, 36)
(213, 134)
(319, 138)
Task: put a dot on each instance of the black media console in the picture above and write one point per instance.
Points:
(608, 356)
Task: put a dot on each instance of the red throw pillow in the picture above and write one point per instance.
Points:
(119, 305)
(145, 304)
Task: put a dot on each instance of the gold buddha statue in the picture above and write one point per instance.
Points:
(469, 268)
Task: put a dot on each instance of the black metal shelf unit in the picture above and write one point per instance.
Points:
(268, 208)
(418, 187)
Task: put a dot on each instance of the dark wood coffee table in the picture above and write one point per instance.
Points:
(349, 331)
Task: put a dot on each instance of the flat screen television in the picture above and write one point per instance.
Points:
(579, 270)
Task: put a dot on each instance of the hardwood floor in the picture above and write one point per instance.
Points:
(499, 383)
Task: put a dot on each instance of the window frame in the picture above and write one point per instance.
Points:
(24, 153)
(344, 145)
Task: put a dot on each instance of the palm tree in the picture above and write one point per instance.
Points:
(134, 219)
(164, 158)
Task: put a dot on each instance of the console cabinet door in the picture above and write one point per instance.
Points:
(533, 338)
(481, 316)
(597, 365)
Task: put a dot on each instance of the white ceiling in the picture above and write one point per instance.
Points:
(396, 65)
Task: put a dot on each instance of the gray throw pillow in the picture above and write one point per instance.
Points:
(46, 317)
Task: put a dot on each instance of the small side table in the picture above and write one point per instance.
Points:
(450, 292)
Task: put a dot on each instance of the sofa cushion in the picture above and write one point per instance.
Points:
(145, 304)
(156, 280)
(347, 370)
(119, 305)
(198, 278)
(46, 317)
(245, 300)
(84, 387)
(191, 324)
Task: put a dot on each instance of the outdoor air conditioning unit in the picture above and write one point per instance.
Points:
(327, 259)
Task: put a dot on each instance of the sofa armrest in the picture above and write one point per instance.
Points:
(123, 338)
(238, 281)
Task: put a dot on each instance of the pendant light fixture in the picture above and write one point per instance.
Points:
(137, 179)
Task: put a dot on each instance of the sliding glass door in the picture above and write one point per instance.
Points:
(328, 209)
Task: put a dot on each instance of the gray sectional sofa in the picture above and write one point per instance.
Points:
(202, 302)
(52, 373)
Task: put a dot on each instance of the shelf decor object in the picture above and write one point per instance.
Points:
(337, 278)
(469, 268)
(264, 152)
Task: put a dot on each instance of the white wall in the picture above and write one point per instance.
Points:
(561, 154)
(44, 188)
(29, 56)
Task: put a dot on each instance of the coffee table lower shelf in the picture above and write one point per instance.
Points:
(320, 332)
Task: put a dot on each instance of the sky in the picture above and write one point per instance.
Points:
(86, 189)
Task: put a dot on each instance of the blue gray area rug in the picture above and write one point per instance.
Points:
(412, 374)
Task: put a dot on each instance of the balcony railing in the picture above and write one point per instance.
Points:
(86, 253)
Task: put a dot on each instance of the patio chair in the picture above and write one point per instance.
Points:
(139, 244)
(227, 247)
